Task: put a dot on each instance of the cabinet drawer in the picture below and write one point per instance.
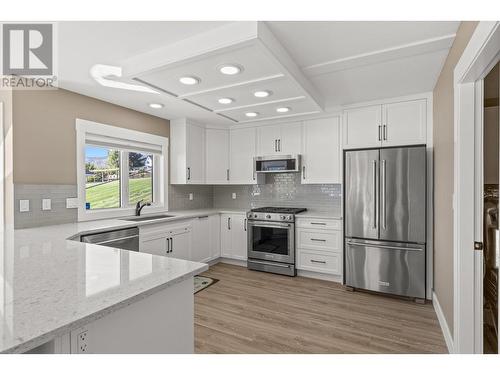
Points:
(324, 240)
(332, 224)
(311, 261)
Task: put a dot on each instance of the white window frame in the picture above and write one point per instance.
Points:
(160, 170)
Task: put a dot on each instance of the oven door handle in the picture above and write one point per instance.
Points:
(269, 224)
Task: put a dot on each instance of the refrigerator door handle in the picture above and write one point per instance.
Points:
(384, 246)
(375, 194)
(382, 195)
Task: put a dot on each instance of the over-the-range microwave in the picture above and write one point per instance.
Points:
(277, 163)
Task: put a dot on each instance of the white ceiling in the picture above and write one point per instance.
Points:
(343, 62)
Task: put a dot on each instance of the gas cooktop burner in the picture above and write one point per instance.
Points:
(279, 210)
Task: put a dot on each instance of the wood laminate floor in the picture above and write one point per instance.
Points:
(256, 312)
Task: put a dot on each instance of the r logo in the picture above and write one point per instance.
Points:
(27, 49)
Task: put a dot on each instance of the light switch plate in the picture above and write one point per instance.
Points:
(24, 205)
(191, 196)
(46, 204)
(234, 195)
(71, 202)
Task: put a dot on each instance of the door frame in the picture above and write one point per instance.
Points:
(480, 55)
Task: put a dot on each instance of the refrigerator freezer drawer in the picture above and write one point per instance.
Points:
(386, 267)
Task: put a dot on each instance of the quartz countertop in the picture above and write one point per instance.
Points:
(50, 285)
(320, 214)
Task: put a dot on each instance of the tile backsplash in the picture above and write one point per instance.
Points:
(280, 189)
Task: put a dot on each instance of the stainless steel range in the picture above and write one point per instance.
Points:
(271, 239)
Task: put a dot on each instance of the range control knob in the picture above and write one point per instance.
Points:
(249, 215)
(290, 217)
(268, 216)
(282, 217)
(255, 216)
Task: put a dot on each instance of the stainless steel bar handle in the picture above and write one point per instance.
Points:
(245, 225)
(229, 223)
(188, 173)
(384, 246)
(168, 245)
(379, 132)
(227, 174)
(303, 172)
(116, 239)
(374, 194)
(275, 145)
(318, 261)
(317, 240)
(313, 223)
(279, 145)
(171, 244)
(385, 132)
(382, 194)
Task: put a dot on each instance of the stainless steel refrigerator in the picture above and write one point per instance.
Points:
(385, 220)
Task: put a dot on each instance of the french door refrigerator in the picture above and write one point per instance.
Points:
(385, 220)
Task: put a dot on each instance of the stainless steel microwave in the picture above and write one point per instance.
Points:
(277, 164)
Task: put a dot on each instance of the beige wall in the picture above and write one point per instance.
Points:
(443, 174)
(44, 132)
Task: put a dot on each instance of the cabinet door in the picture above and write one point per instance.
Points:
(225, 235)
(242, 152)
(217, 156)
(180, 243)
(155, 244)
(214, 236)
(405, 123)
(268, 138)
(196, 155)
(322, 152)
(363, 127)
(201, 251)
(290, 141)
(239, 236)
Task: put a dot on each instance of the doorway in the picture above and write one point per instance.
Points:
(491, 245)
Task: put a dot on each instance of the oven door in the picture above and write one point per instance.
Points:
(271, 241)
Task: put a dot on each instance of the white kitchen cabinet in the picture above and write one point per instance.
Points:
(214, 236)
(172, 240)
(242, 151)
(321, 155)
(234, 236)
(217, 156)
(201, 250)
(279, 139)
(363, 127)
(393, 124)
(404, 123)
(187, 152)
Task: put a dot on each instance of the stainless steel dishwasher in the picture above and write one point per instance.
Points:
(127, 239)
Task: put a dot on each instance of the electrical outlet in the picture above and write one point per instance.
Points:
(46, 204)
(82, 342)
(234, 195)
(24, 205)
(71, 202)
(191, 196)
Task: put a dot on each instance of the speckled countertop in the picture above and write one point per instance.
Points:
(50, 285)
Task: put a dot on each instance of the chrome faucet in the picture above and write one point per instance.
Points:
(139, 207)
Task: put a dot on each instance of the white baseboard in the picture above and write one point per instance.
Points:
(321, 276)
(236, 262)
(448, 338)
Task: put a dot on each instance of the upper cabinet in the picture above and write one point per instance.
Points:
(279, 139)
(321, 156)
(395, 124)
(187, 152)
(242, 148)
(217, 156)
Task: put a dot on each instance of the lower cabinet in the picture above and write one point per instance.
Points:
(172, 240)
(206, 238)
(233, 235)
(319, 245)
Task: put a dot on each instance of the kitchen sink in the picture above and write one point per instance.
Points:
(147, 218)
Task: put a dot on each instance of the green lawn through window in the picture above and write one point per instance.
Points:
(107, 195)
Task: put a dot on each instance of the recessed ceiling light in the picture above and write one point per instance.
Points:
(262, 94)
(230, 69)
(189, 80)
(283, 109)
(225, 100)
(251, 114)
(156, 105)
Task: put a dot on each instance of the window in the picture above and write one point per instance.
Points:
(117, 168)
